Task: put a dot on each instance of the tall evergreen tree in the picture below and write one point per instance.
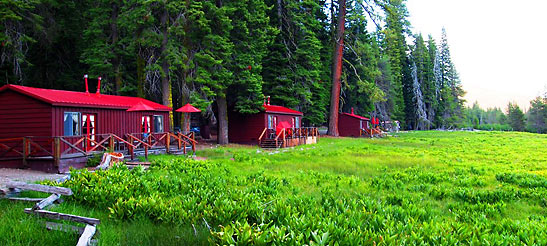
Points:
(293, 67)
(394, 46)
(450, 87)
(102, 51)
(337, 69)
(15, 38)
(537, 115)
(515, 117)
(359, 90)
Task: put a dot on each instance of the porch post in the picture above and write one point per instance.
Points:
(25, 151)
(56, 151)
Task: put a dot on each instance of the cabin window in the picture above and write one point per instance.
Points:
(270, 122)
(368, 124)
(360, 124)
(296, 121)
(71, 123)
(145, 124)
(158, 123)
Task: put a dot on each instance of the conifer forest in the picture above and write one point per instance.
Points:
(315, 56)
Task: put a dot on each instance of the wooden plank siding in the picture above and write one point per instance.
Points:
(245, 128)
(116, 121)
(348, 126)
(40, 122)
(21, 115)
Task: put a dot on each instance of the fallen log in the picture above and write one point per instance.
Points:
(25, 199)
(85, 238)
(64, 227)
(41, 188)
(61, 216)
(46, 202)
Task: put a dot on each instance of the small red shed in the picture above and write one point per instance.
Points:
(45, 113)
(352, 125)
(246, 129)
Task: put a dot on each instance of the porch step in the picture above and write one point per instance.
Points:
(270, 144)
(156, 151)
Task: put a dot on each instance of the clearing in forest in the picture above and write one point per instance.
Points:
(429, 187)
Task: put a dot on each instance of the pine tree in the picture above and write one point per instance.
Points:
(293, 69)
(15, 38)
(449, 83)
(537, 115)
(101, 39)
(359, 90)
(394, 46)
(515, 117)
(429, 87)
(337, 69)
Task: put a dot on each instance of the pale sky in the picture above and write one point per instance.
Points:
(499, 47)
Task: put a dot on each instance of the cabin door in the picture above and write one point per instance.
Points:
(89, 126)
(145, 125)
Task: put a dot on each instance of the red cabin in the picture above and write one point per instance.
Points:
(55, 126)
(275, 127)
(352, 125)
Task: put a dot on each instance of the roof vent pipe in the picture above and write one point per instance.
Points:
(99, 86)
(352, 110)
(268, 100)
(86, 87)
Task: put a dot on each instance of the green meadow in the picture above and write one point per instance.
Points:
(430, 188)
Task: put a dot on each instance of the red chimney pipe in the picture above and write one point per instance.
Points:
(268, 100)
(99, 86)
(86, 87)
(351, 110)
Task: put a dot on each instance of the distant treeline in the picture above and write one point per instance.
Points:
(513, 119)
(228, 55)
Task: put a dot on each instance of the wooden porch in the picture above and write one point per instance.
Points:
(287, 137)
(57, 154)
(370, 133)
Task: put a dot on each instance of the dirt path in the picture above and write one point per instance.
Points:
(8, 174)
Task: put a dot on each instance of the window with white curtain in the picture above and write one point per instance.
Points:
(158, 123)
(71, 124)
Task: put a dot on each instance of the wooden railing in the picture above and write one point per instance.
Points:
(281, 133)
(56, 148)
(288, 133)
(370, 132)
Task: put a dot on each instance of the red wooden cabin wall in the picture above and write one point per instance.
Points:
(348, 126)
(21, 116)
(245, 128)
(116, 121)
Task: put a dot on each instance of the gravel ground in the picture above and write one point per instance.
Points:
(29, 176)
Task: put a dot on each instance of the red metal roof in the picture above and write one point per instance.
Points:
(356, 116)
(188, 108)
(280, 109)
(140, 106)
(83, 99)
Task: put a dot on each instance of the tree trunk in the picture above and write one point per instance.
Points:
(222, 119)
(140, 76)
(166, 93)
(164, 65)
(337, 71)
(116, 60)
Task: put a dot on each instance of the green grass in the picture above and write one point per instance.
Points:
(420, 187)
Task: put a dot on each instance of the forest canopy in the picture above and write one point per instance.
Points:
(227, 55)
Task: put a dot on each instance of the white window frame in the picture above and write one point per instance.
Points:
(156, 130)
(78, 130)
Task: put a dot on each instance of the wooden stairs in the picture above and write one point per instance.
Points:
(270, 144)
